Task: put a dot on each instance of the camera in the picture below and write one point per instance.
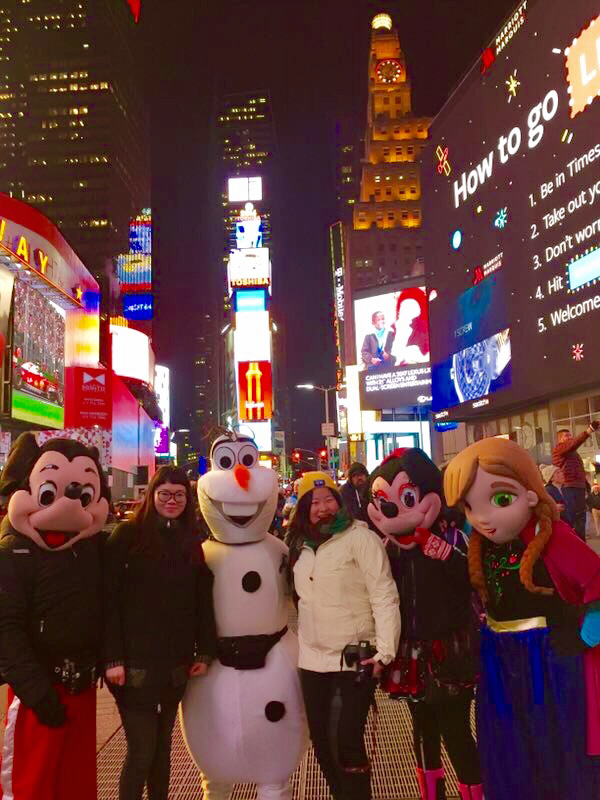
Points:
(355, 653)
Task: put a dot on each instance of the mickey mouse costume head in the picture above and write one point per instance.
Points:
(406, 497)
(58, 492)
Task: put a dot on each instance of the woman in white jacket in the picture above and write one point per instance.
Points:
(346, 595)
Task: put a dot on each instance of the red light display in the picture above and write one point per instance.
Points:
(136, 8)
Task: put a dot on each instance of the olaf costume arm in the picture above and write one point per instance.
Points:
(206, 625)
(374, 564)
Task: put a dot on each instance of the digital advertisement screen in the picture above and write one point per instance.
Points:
(392, 349)
(242, 189)
(255, 390)
(512, 207)
(38, 370)
(249, 268)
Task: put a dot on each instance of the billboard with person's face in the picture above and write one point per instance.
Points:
(392, 348)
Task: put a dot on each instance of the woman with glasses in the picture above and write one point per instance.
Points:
(159, 625)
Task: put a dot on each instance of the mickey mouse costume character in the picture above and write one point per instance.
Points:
(538, 699)
(50, 618)
(244, 722)
(435, 667)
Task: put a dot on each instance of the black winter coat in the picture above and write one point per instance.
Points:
(159, 613)
(50, 610)
(435, 596)
(355, 501)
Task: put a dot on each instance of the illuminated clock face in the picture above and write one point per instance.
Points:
(389, 70)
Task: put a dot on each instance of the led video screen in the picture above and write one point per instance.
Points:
(512, 208)
(38, 369)
(392, 348)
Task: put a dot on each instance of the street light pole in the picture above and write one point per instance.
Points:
(325, 390)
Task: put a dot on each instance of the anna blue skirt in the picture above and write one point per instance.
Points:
(531, 720)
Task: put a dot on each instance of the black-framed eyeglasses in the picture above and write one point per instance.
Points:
(164, 496)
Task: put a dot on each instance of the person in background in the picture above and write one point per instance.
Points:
(568, 460)
(377, 346)
(553, 481)
(594, 504)
(159, 625)
(354, 491)
(346, 595)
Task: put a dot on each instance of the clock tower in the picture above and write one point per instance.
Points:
(390, 191)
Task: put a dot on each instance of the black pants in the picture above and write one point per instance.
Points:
(148, 733)
(450, 719)
(575, 500)
(337, 710)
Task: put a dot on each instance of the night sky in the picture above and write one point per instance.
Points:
(312, 56)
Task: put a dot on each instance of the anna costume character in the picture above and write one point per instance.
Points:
(538, 699)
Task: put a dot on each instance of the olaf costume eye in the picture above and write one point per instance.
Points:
(248, 456)
(47, 493)
(224, 457)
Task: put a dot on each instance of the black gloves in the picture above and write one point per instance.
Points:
(50, 711)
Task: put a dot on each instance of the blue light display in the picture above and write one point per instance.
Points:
(250, 300)
(138, 306)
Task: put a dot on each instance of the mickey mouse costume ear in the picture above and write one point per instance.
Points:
(23, 455)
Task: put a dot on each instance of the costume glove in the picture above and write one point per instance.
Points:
(433, 546)
(590, 630)
(50, 711)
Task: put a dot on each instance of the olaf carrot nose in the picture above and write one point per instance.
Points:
(242, 476)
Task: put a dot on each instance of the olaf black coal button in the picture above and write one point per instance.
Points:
(274, 711)
(251, 582)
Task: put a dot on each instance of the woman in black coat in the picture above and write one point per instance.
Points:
(159, 625)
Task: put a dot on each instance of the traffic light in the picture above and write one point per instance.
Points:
(323, 455)
(296, 456)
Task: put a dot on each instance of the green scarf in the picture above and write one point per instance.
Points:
(325, 530)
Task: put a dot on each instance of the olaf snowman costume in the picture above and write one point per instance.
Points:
(244, 722)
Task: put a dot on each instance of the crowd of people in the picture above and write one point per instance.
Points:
(440, 586)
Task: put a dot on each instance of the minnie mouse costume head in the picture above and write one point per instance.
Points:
(58, 492)
(406, 494)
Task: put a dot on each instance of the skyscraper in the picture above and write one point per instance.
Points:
(388, 213)
(73, 131)
(246, 139)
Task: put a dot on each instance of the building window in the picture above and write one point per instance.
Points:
(416, 214)
(410, 150)
(386, 101)
(405, 215)
(391, 216)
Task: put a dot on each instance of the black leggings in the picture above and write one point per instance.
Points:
(341, 752)
(450, 719)
(148, 733)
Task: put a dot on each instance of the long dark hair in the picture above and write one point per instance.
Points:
(146, 519)
(300, 526)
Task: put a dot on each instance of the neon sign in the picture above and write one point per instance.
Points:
(516, 21)
(255, 388)
(136, 8)
(583, 68)
(443, 166)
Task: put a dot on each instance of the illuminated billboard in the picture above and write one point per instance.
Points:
(250, 300)
(392, 347)
(248, 229)
(134, 271)
(255, 388)
(131, 354)
(511, 178)
(38, 368)
(138, 306)
(140, 233)
(252, 336)
(241, 190)
(248, 269)
(162, 390)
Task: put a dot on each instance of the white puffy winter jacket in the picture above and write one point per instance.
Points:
(346, 595)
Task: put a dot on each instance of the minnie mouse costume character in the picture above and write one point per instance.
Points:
(435, 668)
(50, 618)
(538, 699)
